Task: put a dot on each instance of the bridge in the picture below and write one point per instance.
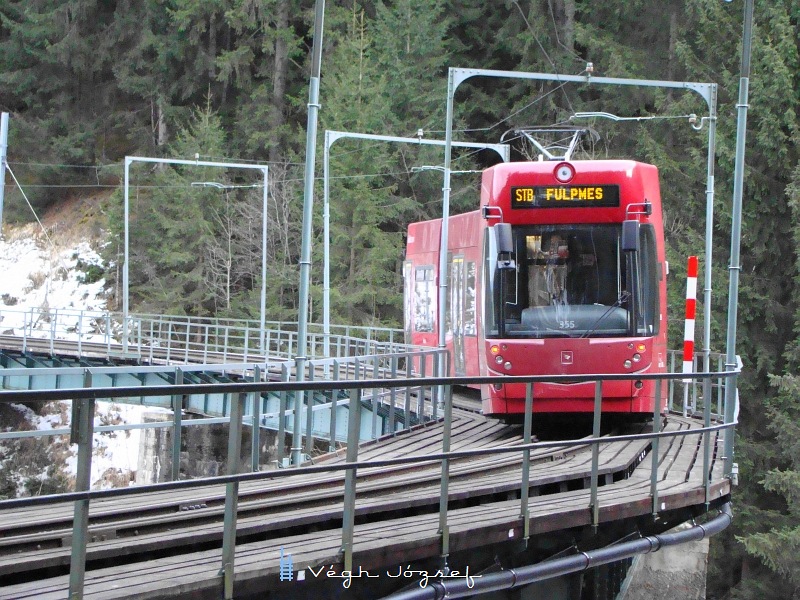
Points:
(416, 496)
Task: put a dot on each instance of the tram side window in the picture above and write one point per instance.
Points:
(470, 308)
(424, 295)
(407, 298)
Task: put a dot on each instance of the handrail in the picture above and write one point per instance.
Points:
(326, 468)
(241, 391)
(254, 387)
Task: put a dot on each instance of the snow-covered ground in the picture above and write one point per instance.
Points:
(39, 278)
(35, 276)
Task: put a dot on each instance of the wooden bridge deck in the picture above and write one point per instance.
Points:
(396, 509)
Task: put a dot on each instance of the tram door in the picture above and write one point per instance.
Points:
(455, 311)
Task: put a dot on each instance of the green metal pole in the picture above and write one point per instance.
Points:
(308, 215)
(736, 236)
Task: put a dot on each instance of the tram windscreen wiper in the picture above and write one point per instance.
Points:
(623, 297)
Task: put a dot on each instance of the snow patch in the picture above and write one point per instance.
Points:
(36, 283)
(34, 278)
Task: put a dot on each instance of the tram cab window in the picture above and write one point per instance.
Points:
(648, 268)
(574, 281)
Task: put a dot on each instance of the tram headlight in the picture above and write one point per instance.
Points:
(498, 359)
(564, 172)
(627, 364)
(507, 365)
(637, 357)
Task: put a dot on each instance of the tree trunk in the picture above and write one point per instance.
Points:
(280, 70)
(564, 13)
(160, 123)
(569, 24)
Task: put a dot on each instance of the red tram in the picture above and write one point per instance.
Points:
(561, 271)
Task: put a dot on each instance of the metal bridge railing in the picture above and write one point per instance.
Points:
(82, 430)
(391, 409)
(192, 339)
(687, 396)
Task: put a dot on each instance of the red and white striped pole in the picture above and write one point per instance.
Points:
(691, 307)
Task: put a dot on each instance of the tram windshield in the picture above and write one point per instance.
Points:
(572, 281)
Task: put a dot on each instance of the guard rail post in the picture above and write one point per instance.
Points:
(309, 397)
(444, 530)
(54, 322)
(392, 392)
(720, 389)
(407, 403)
(334, 404)
(654, 449)
(671, 384)
(437, 397)
(177, 410)
(526, 464)
(349, 508)
(187, 342)
(598, 400)
(421, 397)
(707, 439)
(232, 495)
(375, 399)
(82, 432)
(80, 336)
(282, 398)
(255, 449)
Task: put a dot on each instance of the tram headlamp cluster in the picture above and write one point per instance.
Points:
(639, 347)
(498, 358)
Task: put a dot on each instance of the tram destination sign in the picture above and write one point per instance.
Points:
(562, 196)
